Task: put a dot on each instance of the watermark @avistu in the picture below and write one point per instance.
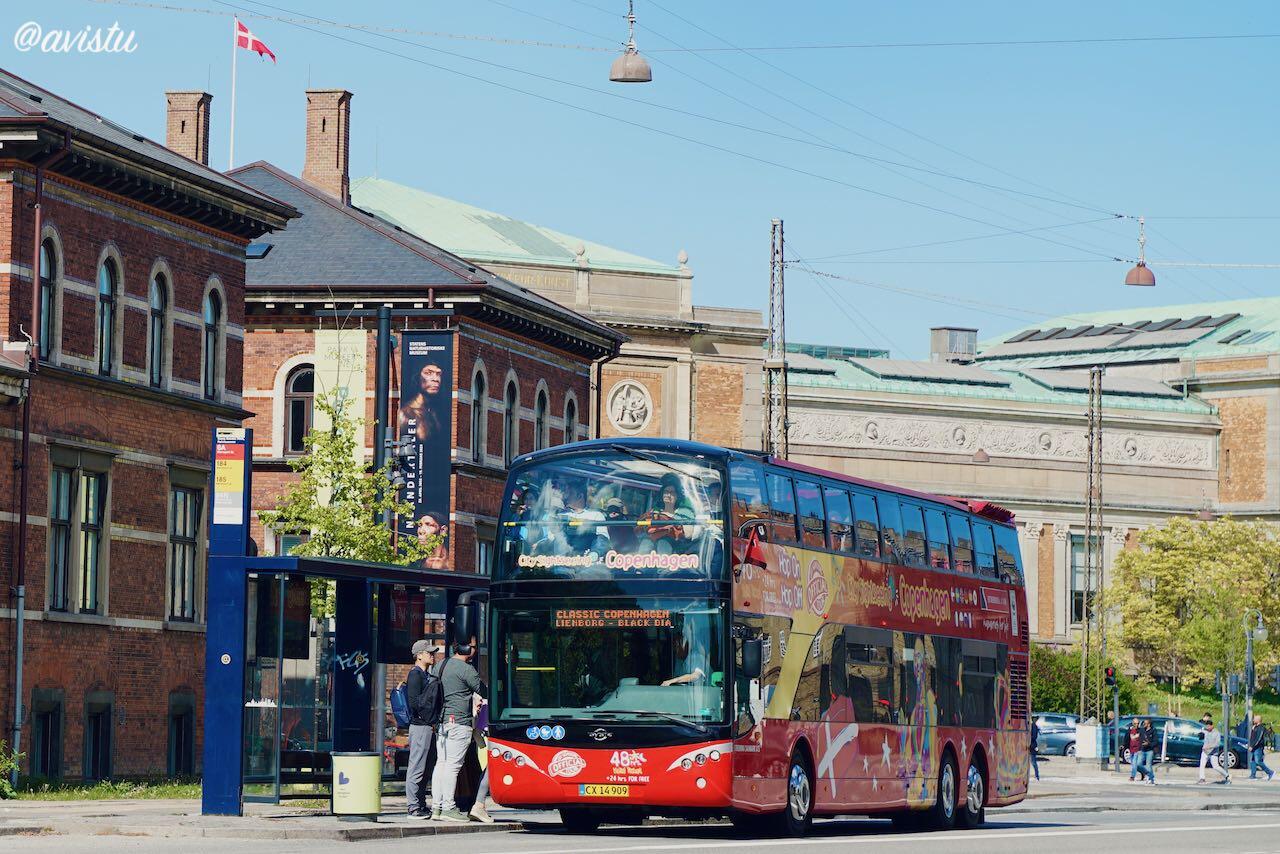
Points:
(89, 39)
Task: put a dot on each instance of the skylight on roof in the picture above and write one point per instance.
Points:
(1235, 336)
(1191, 321)
(1022, 336)
(1163, 324)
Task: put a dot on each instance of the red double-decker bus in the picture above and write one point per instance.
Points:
(682, 629)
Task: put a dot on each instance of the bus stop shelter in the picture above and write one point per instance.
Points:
(290, 680)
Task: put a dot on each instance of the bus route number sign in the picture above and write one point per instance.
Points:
(612, 618)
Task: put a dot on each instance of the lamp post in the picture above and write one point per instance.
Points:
(1258, 631)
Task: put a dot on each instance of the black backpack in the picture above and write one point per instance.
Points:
(431, 702)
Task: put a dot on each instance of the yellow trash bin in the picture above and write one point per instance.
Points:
(357, 784)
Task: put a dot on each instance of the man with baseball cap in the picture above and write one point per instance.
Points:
(419, 730)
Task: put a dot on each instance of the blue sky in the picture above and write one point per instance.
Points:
(1165, 129)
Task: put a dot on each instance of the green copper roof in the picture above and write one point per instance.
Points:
(1202, 330)
(487, 237)
(893, 376)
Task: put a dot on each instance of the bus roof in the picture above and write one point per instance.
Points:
(985, 509)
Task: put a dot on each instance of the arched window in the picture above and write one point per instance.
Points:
(540, 421)
(479, 417)
(299, 400)
(108, 284)
(48, 301)
(212, 343)
(570, 421)
(156, 331)
(511, 424)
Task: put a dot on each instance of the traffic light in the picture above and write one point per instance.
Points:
(1110, 674)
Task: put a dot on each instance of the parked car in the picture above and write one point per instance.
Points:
(1057, 733)
(1185, 738)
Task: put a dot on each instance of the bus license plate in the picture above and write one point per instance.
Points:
(602, 790)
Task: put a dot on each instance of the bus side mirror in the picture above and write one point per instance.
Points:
(754, 552)
(466, 623)
(752, 653)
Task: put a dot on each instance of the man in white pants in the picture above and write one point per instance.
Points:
(1210, 752)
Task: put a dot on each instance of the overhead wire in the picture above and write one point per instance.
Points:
(999, 190)
(631, 123)
(897, 126)
(865, 325)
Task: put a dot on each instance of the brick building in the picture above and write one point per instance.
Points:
(522, 367)
(138, 326)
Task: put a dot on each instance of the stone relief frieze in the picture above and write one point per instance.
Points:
(940, 435)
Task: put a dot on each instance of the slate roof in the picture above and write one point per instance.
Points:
(23, 100)
(343, 247)
(1163, 333)
(486, 236)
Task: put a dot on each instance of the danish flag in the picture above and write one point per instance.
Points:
(249, 41)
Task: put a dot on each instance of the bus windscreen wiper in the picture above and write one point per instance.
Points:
(650, 458)
(649, 713)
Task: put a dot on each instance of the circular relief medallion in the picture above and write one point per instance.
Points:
(630, 406)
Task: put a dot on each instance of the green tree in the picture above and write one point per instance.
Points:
(1181, 597)
(337, 501)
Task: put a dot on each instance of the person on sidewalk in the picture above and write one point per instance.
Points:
(480, 708)
(1133, 740)
(1257, 745)
(419, 730)
(1035, 746)
(459, 682)
(1148, 752)
(1211, 752)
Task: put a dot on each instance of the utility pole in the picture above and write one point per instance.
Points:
(775, 363)
(1093, 648)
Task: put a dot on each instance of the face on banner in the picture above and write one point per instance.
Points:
(425, 421)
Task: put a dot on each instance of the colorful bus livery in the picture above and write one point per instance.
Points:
(685, 629)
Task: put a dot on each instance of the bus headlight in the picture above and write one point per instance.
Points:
(701, 759)
(495, 753)
(519, 761)
(715, 756)
(686, 764)
(507, 756)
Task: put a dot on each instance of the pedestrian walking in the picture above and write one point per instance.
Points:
(1257, 745)
(1148, 752)
(420, 729)
(459, 682)
(1211, 752)
(1035, 746)
(1133, 740)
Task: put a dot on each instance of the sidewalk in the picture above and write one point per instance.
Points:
(182, 819)
(1066, 785)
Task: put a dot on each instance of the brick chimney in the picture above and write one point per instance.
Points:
(329, 142)
(188, 124)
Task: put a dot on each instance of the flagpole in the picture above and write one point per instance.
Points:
(235, 36)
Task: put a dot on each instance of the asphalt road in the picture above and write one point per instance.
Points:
(1227, 832)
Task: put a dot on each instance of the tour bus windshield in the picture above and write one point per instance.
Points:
(634, 659)
(616, 512)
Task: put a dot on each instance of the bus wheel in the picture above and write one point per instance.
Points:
(975, 800)
(579, 820)
(943, 814)
(797, 816)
